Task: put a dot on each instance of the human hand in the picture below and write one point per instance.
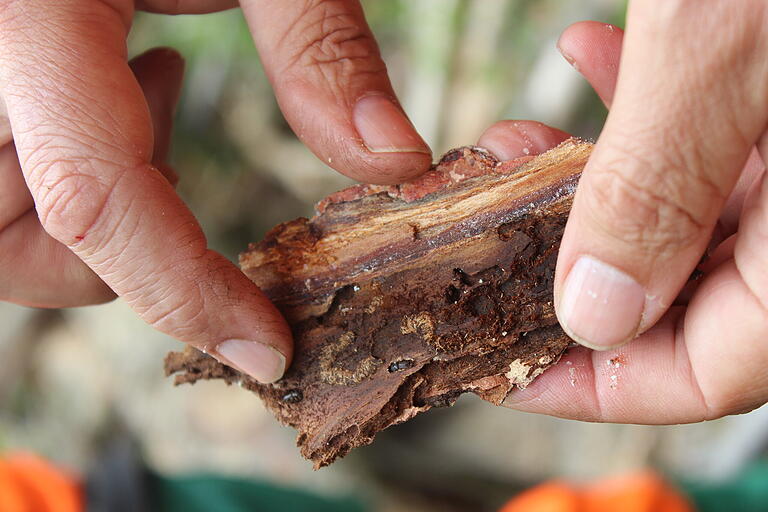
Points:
(674, 172)
(95, 213)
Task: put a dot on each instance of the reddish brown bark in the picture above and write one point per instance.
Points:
(402, 298)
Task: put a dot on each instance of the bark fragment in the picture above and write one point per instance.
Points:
(403, 298)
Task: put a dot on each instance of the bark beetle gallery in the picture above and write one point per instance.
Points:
(402, 298)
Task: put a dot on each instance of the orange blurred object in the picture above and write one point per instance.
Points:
(547, 497)
(638, 492)
(31, 484)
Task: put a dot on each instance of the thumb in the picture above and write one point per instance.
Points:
(83, 133)
(333, 88)
(681, 127)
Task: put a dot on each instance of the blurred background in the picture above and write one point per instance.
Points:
(85, 387)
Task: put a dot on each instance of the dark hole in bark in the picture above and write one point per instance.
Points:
(452, 295)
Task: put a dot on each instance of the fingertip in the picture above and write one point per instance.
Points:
(370, 140)
(508, 140)
(334, 91)
(579, 38)
(565, 43)
(244, 330)
(594, 50)
(256, 336)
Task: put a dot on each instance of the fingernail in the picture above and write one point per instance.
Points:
(601, 306)
(168, 53)
(567, 57)
(260, 361)
(384, 128)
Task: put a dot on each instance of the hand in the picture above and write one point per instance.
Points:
(674, 172)
(95, 213)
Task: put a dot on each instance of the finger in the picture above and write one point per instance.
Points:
(728, 317)
(333, 88)
(38, 271)
(15, 199)
(649, 381)
(654, 187)
(88, 168)
(594, 50)
(45, 272)
(514, 139)
(160, 73)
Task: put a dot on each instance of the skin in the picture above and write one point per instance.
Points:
(87, 210)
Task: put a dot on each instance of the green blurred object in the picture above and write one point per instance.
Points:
(748, 492)
(205, 492)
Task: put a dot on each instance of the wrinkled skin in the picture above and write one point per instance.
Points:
(87, 210)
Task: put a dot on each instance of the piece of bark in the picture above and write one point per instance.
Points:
(402, 298)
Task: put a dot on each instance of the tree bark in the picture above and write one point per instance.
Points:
(403, 298)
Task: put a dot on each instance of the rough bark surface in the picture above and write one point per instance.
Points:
(403, 298)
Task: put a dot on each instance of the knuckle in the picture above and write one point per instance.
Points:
(730, 398)
(657, 209)
(69, 202)
(330, 38)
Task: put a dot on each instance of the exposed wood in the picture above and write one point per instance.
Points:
(403, 298)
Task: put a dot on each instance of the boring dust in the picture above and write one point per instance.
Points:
(612, 370)
(613, 366)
